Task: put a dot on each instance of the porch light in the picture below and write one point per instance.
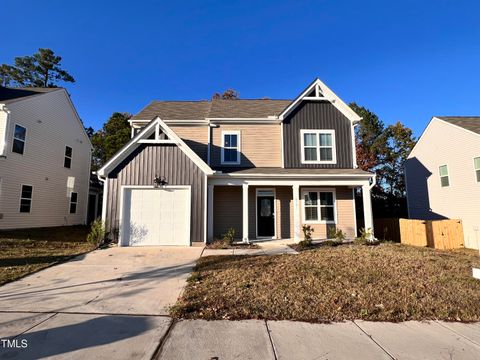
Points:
(159, 181)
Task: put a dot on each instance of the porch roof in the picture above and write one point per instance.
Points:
(289, 172)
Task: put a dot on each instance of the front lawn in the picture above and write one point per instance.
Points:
(389, 282)
(25, 251)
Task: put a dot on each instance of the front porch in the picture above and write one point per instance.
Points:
(277, 209)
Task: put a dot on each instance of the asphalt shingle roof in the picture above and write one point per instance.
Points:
(199, 110)
(290, 171)
(8, 94)
(471, 123)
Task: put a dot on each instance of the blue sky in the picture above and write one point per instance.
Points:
(404, 60)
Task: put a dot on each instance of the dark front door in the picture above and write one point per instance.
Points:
(265, 216)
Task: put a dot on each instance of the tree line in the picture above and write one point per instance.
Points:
(380, 149)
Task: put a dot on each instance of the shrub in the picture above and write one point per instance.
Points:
(97, 233)
(229, 236)
(366, 238)
(307, 236)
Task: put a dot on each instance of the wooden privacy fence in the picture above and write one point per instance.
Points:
(438, 234)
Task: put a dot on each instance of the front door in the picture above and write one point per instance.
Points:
(265, 216)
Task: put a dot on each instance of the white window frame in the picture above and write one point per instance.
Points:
(319, 206)
(14, 138)
(73, 202)
(67, 157)
(447, 176)
(238, 148)
(317, 133)
(22, 198)
(475, 170)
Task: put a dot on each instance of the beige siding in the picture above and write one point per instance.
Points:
(196, 137)
(51, 125)
(260, 144)
(228, 212)
(445, 144)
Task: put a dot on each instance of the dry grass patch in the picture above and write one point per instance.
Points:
(26, 251)
(389, 282)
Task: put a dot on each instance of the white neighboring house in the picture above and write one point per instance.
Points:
(443, 174)
(44, 159)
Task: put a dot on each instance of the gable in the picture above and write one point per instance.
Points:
(155, 133)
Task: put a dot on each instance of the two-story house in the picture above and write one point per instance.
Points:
(442, 174)
(194, 169)
(44, 159)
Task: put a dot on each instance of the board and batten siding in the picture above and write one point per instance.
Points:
(317, 115)
(260, 145)
(140, 168)
(445, 144)
(51, 125)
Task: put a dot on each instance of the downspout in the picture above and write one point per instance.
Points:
(3, 141)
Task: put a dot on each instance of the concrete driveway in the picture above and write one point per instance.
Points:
(105, 301)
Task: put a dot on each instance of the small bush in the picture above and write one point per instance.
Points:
(97, 233)
(229, 236)
(307, 236)
(366, 238)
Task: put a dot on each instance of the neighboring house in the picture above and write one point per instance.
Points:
(194, 169)
(443, 174)
(44, 159)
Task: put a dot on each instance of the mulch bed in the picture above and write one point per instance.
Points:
(388, 282)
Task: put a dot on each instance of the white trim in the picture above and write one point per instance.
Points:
(205, 209)
(24, 141)
(475, 170)
(289, 182)
(245, 213)
(104, 199)
(210, 206)
(323, 93)
(296, 211)
(318, 132)
(22, 198)
(354, 147)
(354, 213)
(447, 176)
(367, 208)
(310, 176)
(69, 157)
(157, 123)
(274, 213)
(151, 187)
(319, 190)
(282, 144)
(70, 203)
(238, 147)
(172, 122)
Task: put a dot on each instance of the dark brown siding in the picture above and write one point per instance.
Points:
(141, 167)
(317, 115)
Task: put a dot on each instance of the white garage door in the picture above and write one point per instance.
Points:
(156, 216)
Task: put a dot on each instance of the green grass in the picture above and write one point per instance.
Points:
(25, 251)
(388, 282)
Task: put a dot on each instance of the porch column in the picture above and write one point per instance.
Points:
(296, 212)
(367, 207)
(210, 213)
(245, 213)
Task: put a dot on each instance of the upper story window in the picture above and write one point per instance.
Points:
(443, 171)
(26, 198)
(230, 147)
(19, 136)
(67, 162)
(476, 163)
(318, 146)
(73, 202)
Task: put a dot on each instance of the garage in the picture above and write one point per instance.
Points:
(155, 216)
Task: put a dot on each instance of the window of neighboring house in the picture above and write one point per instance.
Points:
(476, 162)
(443, 170)
(73, 202)
(319, 206)
(318, 146)
(231, 147)
(67, 162)
(19, 136)
(26, 198)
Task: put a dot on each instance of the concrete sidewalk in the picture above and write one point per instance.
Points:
(268, 247)
(88, 336)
